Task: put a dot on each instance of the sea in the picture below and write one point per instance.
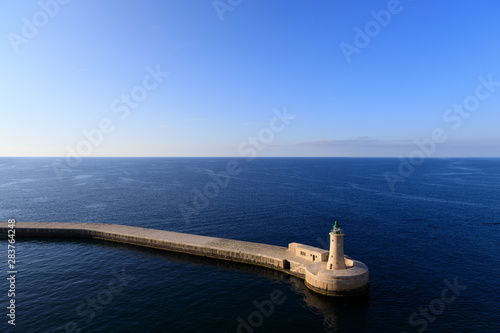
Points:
(428, 230)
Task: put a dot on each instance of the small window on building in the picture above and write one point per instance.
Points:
(302, 253)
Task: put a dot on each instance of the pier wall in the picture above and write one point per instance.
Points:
(345, 282)
(355, 282)
(239, 251)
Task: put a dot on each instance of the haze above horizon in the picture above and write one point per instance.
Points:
(250, 78)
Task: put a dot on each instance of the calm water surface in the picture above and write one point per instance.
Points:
(441, 223)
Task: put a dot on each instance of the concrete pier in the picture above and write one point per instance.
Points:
(299, 260)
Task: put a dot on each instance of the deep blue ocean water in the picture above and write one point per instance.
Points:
(441, 224)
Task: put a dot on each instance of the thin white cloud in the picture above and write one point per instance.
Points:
(361, 141)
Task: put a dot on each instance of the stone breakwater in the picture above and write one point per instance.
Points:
(347, 282)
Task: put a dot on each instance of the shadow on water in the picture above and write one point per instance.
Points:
(333, 309)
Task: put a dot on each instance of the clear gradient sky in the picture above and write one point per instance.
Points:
(68, 66)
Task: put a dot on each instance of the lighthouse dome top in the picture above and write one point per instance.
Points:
(336, 228)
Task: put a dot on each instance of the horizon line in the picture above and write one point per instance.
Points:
(257, 157)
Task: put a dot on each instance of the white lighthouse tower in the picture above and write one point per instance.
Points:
(336, 257)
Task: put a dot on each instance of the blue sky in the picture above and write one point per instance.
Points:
(234, 65)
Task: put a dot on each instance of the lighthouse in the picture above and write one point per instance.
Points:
(335, 274)
(336, 257)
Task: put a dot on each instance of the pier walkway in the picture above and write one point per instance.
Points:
(306, 262)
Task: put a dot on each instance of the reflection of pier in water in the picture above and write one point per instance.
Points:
(326, 272)
(333, 310)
